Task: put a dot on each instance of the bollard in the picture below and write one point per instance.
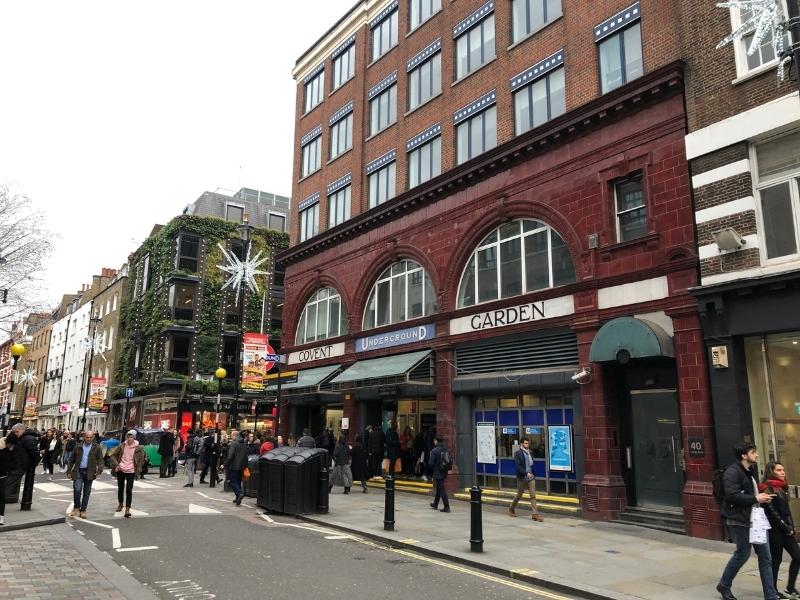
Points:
(476, 520)
(388, 505)
(27, 490)
(212, 468)
(322, 495)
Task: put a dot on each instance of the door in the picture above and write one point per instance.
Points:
(656, 452)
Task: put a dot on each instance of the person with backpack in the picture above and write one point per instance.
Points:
(525, 479)
(440, 463)
(194, 446)
(740, 497)
(782, 532)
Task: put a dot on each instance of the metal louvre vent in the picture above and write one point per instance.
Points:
(545, 351)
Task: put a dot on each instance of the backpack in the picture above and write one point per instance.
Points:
(718, 485)
(445, 461)
(197, 446)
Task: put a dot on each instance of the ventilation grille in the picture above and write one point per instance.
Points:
(700, 515)
(546, 351)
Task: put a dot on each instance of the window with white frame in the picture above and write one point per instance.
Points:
(422, 10)
(383, 110)
(518, 257)
(309, 222)
(188, 255)
(425, 81)
(342, 136)
(382, 184)
(339, 206)
(631, 208)
(528, 16)
(234, 212)
(314, 90)
(312, 156)
(402, 292)
(425, 162)
(277, 222)
(476, 135)
(764, 54)
(384, 35)
(344, 66)
(475, 47)
(323, 317)
(778, 187)
(621, 57)
(542, 100)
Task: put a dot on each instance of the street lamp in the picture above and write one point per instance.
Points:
(220, 374)
(17, 350)
(93, 344)
(245, 234)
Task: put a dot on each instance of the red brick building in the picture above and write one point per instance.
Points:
(495, 227)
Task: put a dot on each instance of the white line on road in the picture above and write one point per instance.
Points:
(196, 509)
(103, 525)
(137, 549)
(267, 518)
(115, 541)
(210, 498)
(338, 537)
(57, 500)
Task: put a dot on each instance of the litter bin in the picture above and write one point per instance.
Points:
(300, 492)
(322, 483)
(250, 487)
(274, 475)
(262, 484)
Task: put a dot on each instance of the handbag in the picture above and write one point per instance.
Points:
(246, 473)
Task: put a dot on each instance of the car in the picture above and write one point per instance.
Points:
(147, 438)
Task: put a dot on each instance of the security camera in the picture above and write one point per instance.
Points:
(583, 376)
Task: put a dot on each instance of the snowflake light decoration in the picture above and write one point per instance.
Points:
(95, 344)
(765, 18)
(28, 376)
(239, 270)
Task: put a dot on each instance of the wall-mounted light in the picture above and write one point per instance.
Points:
(728, 239)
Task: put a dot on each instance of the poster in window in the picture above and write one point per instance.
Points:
(487, 444)
(559, 448)
(255, 347)
(97, 393)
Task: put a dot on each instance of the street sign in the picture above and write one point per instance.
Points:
(129, 392)
(286, 377)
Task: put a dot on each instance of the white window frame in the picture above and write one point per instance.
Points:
(307, 156)
(388, 276)
(740, 48)
(618, 212)
(392, 17)
(314, 92)
(339, 76)
(344, 195)
(309, 228)
(276, 214)
(434, 6)
(336, 130)
(234, 205)
(315, 302)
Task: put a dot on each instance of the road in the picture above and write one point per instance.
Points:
(194, 543)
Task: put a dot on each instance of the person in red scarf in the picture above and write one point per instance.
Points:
(781, 534)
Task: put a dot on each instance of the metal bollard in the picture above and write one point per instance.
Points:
(388, 505)
(212, 470)
(27, 490)
(476, 520)
(322, 495)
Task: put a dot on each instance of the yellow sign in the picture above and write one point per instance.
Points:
(283, 374)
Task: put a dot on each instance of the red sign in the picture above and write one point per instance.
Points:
(255, 347)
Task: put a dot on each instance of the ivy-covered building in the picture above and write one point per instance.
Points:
(178, 324)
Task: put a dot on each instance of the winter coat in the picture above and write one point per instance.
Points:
(166, 443)
(306, 442)
(433, 462)
(69, 446)
(392, 443)
(519, 462)
(376, 441)
(26, 452)
(7, 455)
(138, 459)
(236, 457)
(253, 448)
(778, 513)
(93, 468)
(358, 462)
(419, 445)
(341, 454)
(739, 494)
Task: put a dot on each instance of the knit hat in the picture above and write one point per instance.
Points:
(12, 438)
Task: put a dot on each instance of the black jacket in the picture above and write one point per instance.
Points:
(519, 462)
(236, 457)
(740, 495)
(166, 443)
(392, 443)
(306, 442)
(341, 454)
(376, 441)
(358, 464)
(778, 513)
(26, 452)
(434, 460)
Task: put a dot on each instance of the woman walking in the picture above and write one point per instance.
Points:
(177, 445)
(6, 465)
(341, 474)
(67, 448)
(51, 452)
(126, 463)
(358, 463)
(781, 533)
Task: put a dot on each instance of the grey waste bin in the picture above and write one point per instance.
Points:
(250, 487)
(275, 462)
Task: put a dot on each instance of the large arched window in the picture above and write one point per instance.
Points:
(402, 292)
(518, 257)
(322, 318)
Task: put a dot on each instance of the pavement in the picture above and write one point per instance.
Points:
(564, 554)
(37, 516)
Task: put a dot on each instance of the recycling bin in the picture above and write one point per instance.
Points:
(275, 462)
(250, 487)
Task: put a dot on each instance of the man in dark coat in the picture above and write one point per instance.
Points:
(306, 441)
(377, 442)
(235, 462)
(165, 445)
(26, 458)
(358, 462)
(392, 446)
(439, 474)
(209, 450)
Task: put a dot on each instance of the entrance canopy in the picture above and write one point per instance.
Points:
(412, 367)
(625, 338)
(307, 378)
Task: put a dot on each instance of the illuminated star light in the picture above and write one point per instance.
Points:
(28, 376)
(95, 344)
(239, 271)
(766, 18)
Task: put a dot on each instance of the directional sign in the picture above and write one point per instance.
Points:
(129, 392)
(286, 377)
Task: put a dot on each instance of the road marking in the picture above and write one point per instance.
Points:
(196, 509)
(267, 518)
(115, 540)
(210, 498)
(56, 499)
(134, 512)
(69, 508)
(524, 571)
(409, 541)
(145, 486)
(100, 485)
(137, 549)
(185, 588)
(310, 528)
(103, 525)
(50, 487)
(338, 537)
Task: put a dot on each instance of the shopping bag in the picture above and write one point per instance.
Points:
(246, 474)
(759, 524)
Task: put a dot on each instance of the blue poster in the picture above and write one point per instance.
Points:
(559, 455)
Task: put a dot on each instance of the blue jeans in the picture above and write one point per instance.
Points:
(235, 479)
(741, 537)
(81, 490)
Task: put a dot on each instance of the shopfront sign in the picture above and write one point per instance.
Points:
(396, 338)
(487, 444)
(318, 353)
(97, 393)
(514, 315)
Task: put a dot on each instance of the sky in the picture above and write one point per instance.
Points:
(116, 115)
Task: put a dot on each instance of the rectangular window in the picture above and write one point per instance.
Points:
(476, 135)
(277, 222)
(146, 274)
(344, 66)
(309, 222)
(383, 110)
(530, 15)
(631, 208)
(339, 206)
(181, 299)
(425, 81)
(382, 184)
(540, 101)
(314, 91)
(764, 54)
(234, 213)
(422, 10)
(621, 58)
(475, 47)
(779, 195)
(312, 155)
(188, 253)
(342, 136)
(384, 36)
(180, 352)
(425, 162)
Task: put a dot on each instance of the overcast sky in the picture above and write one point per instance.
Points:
(115, 115)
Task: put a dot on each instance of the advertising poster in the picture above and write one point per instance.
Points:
(97, 393)
(559, 448)
(255, 346)
(30, 406)
(487, 444)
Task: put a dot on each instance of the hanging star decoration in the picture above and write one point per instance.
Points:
(761, 18)
(28, 376)
(95, 344)
(241, 270)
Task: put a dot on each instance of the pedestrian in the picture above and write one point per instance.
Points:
(67, 447)
(392, 447)
(253, 446)
(26, 458)
(209, 450)
(53, 452)
(6, 465)
(266, 446)
(177, 446)
(44, 446)
(525, 479)
(165, 445)
(85, 465)
(418, 452)
(358, 462)
(291, 440)
(782, 532)
(406, 451)
(192, 451)
(429, 435)
(440, 463)
(325, 440)
(306, 441)
(235, 463)
(341, 473)
(377, 440)
(741, 499)
(127, 460)
(279, 441)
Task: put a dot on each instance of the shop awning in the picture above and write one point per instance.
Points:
(307, 378)
(401, 368)
(625, 338)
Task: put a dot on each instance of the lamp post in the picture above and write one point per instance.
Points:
(136, 339)
(17, 350)
(91, 343)
(245, 233)
(220, 374)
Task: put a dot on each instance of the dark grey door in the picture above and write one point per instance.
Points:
(658, 472)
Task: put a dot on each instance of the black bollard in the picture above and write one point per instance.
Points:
(388, 505)
(322, 495)
(27, 490)
(476, 520)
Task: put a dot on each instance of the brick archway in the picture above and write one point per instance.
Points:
(312, 285)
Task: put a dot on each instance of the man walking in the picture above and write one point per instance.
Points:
(377, 441)
(165, 445)
(235, 462)
(525, 479)
(741, 497)
(209, 449)
(194, 445)
(440, 463)
(306, 441)
(26, 458)
(392, 446)
(85, 464)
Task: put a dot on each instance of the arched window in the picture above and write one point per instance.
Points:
(518, 257)
(322, 317)
(403, 292)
